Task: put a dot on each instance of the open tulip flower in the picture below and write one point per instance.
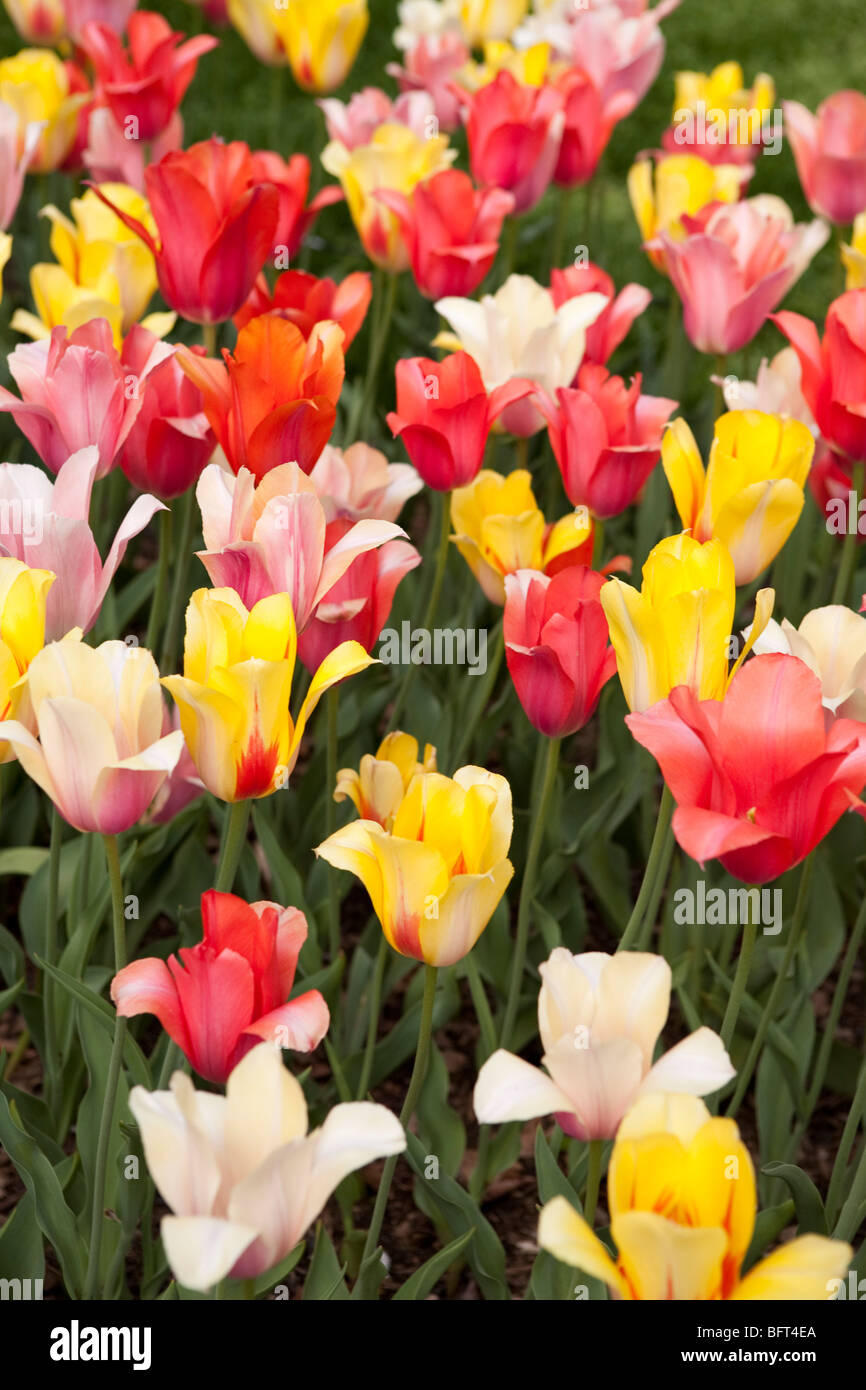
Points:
(751, 495)
(682, 1200)
(775, 390)
(603, 336)
(499, 528)
(436, 876)
(23, 599)
(832, 643)
(319, 38)
(359, 482)
(758, 777)
(383, 777)
(170, 441)
(664, 190)
(234, 693)
(518, 332)
(305, 301)
(676, 631)
(599, 1018)
(515, 132)
(291, 179)
(38, 21)
(733, 267)
(354, 122)
(556, 646)
(56, 535)
(431, 65)
(590, 117)
(38, 87)
(444, 415)
(241, 1175)
(247, 958)
(100, 755)
(274, 399)
(114, 13)
(831, 369)
(606, 438)
(216, 224)
(734, 117)
(830, 152)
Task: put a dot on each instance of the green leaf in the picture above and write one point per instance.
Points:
(55, 1219)
(421, 1283)
(552, 1182)
(22, 1252)
(811, 1216)
(22, 860)
(11, 957)
(325, 1280)
(101, 1010)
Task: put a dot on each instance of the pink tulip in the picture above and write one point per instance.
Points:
(181, 786)
(734, 266)
(170, 441)
(354, 122)
(54, 534)
(613, 323)
(110, 158)
(359, 482)
(114, 13)
(830, 153)
(273, 539)
(590, 117)
(73, 393)
(432, 66)
(620, 53)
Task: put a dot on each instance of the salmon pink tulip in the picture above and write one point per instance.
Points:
(360, 482)
(833, 370)
(170, 441)
(830, 153)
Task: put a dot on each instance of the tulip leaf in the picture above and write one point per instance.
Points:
(22, 1244)
(8, 996)
(325, 1277)
(55, 1219)
(769, 1225)
(439, 1125)
(275, 1276)
(424, 1279)
(22, 860)
(811, 1216)
(11, 957)
(552, 1182)
(285, 879)
(101, 1010)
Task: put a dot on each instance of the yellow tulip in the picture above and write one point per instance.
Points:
(677, 629)
(396, 158)
(528, 65)
(682, 1202)
(319, 38)
(380, 783)
(35, 84)
(23, 596)
(499, 528)
(482, 20)
(234, 694)
(854, 256)
(435, 878)
(724, 90)
(751, 495)
(103, 270)
(679, 183)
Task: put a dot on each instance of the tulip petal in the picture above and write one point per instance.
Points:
(508, 1088)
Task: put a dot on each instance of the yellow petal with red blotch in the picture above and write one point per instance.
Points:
(662, 1260)
(463, 912)
(414, 884)
(261, 691)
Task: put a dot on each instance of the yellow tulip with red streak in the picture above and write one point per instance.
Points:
(380, 783)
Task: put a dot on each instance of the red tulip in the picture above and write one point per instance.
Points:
(216, 227)
(833, 371)
(590, 116)
(606, 436)
(607, 332)
(451, 230)
(444, 415)
(556, 646)
(514, 134)
(291, 178)
(831, 483)
(758, 777)
(145, 84)
(170, 441)
(228, 993)
(305, 301)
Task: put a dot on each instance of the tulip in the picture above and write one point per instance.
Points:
(620, 47)
(355, 122)
(38, 21)
(451, 230)
(717, 117)
(143, 85)
(291, 178)
(556, 647)
(320, 41)
(830, 153)
(678, 185)
(831, 370)
(181, 786)
(100, 755)
(751, 495)
(275, 398)
(831, 641)
(682, 1201)
(74, 394)
(775, 390)
(114, 13)
(170, 441)
(444, 415)
(599, 1018)
(677, 629)
(514, 134)
(616, 318)
(396, 159)
(23, 600)
(15, 157)
(45, 523)
(383, 778)
(482, 20)
(499, 528)
(206, 266)
(759, 779)
(590, 117)
(854, 255)
(528, 66)
(234, 693)
(435, 878)
(306, 301)
(518, 332)
(110, 158)
(247, 957)
(431, 66)
(37, 85)
(735, 265)
(360, 482)
(240, 1174)
(606, 437)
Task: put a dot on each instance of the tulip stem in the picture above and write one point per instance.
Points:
(721, 373)
(157, 603)
(741, 978)
(209, 338)
(385, 299)
(747, 1070)
(482, 695)
(593, 1180)
(839, 994)
(527, 887)
(845, 573)
(373, 1016)
(846, 1143)
(233, 844)
(187, 509)
(51, 952)
(419, 1072)
(112, 859)
(332, 709)
(432, 602)
(659, 858)
(597, 542)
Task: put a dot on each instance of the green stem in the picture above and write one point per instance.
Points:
(187, 508)
(658, 855)
(851, 1215)
(849, 1134)
(721, 372)
(109, 1102)
(233, 844)
(209, 333)
(419, 1071)
(839, 995)
(432, 603)
(746, 1071)
(741, 979)
(597, 542)
(527, 888)
(593, 1180)
(51, 950)
(481, 1004)
(157, 603)
(658, 889)
(845, 573)
(373, 1016)
(332, 709)
(380, 328)
(482, 695)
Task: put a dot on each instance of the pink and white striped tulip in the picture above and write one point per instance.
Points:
(359, 482)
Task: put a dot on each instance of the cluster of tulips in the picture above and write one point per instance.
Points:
(181, 727)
